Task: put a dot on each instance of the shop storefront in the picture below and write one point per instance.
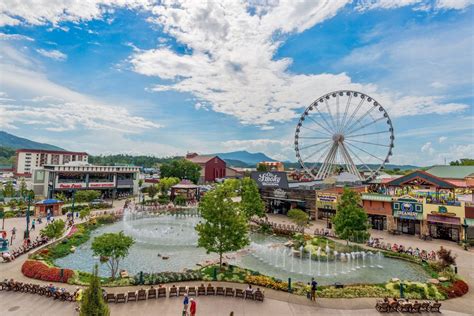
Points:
(444, 227)
(279, 201)
(469, 230)
(408, 214)
(379, 210)
(326, 204)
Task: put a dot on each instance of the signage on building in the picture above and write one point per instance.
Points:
(326, 198)
(71, 185)
(443, 219)
(101, 185)
(279, 193)
(408, 208)
(270, 179)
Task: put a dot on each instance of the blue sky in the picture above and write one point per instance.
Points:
(138, 76)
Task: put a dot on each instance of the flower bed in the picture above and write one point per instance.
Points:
(458, 288)
(39, 270)
(167, 277)
(268, 282)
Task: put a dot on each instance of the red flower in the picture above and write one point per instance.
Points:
(40, 271)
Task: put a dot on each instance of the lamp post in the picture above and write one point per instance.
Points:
(465, 226)
(73, 192)
(27, 231)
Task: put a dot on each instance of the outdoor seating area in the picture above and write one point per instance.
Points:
(415, 252)
(10, 256)
(405, 306)
(43, 290)
(174, 291)
(277, 227)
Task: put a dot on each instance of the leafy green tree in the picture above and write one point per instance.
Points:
(61, 196)
(84, 213)
(8, 189)
(92, 300)
(225, 227)
(262, 167)
(179, 200)
(299, 217)
(350, 221)
(23, 189)
(166, 183)
(112, 247)
(152, 191)
(55, 229)
(86, 195)
(462, 162)
(251, 203)
(182, 169)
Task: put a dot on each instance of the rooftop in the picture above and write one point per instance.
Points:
(451, 172)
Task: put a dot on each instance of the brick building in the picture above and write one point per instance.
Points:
(212, 167)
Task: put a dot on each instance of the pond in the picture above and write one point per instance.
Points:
(169, 243)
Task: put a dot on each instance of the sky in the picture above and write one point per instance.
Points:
(169, 77)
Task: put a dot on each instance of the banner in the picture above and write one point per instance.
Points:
(270, 179)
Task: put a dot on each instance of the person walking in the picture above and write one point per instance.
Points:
(13, 235)
(314, 286)
(33, 223)
(192, 309)
(185, 305)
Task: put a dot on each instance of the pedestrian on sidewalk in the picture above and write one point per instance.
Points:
(33, 223)
(193, 307)
(185, 305)
(314, 286)
(13, 235)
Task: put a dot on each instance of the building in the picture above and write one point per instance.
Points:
(234, 173)
(212, 167)
(111, 180)
(50, 206)
(327, 200)
(379, 210)
(28, 159)
(272, 165)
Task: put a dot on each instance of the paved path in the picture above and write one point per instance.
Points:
(276, 303)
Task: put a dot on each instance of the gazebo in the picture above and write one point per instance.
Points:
(186, 189)
(54, 206)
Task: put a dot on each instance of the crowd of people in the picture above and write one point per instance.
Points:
(416, 252)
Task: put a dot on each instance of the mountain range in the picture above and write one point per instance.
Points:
(15, 142)
(250, 159)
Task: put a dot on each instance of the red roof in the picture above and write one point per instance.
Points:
(201, 159)
(62, 152)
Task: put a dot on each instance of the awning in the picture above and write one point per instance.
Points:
(444, 219)
(283, 199)
(469, 221)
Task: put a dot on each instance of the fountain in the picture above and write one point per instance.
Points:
(318, 253)
(310, 272)
(327, 257)
(301, 257)
(335, 262)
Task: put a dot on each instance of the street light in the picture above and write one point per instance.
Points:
(31, 194)
(465, 226)
(73, 192)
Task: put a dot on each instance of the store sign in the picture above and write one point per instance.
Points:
(102, 185)
(270, 179)
(443, 219)
(71, 185)
(327, 198)
(279, 193)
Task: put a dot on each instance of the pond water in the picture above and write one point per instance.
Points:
(174, 237)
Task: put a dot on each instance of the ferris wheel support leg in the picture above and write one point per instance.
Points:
(327, 162)
(350, 162)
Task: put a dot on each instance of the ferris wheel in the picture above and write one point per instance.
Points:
(344, 131)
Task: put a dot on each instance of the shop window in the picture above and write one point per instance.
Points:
(396, 206)
(418, 208)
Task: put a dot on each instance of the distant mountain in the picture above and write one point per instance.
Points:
(250, 159)
(15, 142)
(238, 163)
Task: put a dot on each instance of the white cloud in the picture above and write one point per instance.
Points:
(424, 5)
(40, 12)
(427, 148)
(442, 139)
(17, 37)
(53, 54)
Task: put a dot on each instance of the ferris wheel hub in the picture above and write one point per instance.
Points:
(338, 138)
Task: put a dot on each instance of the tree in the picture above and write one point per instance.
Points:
(251, 203)
(182, 169)
(462, 162)
(225, 227)
(23, 188)
(262, 167)
(445, 258)
(166, 183)
(55, 229)
(86, 195)
(299, 217)
(92, 299)
(8, 189)
(85, 212)
(61, 196)
(152, 191)
(350, 221)
(112, 247)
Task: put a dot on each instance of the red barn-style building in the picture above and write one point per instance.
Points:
(212, 167)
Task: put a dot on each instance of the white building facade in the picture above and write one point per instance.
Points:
(29, 159)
